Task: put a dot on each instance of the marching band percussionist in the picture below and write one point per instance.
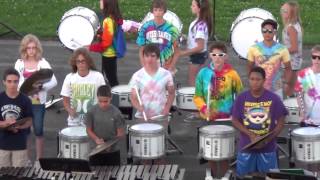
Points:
(150, 84)
(79, 89)
(14, 107)
(257, 112)
(104, 122)
(270, 55)
(308, 89)
(164, 34)
(216, 88)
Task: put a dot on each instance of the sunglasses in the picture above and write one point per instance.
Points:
(267, 31)
(218, 54)
(315, 57)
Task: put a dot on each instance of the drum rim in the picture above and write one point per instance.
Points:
(231, 130)
(305, 137)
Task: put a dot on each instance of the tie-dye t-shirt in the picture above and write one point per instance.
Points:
(152, 90)
(308, 83)
(224, 86)
(259, 115)
(270, 59)
(197, 31)
(82, 92)
(164, 35)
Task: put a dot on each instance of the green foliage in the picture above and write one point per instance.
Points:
(42, 17)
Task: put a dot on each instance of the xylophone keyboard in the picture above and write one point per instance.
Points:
(124, 172)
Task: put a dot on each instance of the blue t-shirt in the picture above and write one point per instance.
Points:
(19, 108)
(258, 115)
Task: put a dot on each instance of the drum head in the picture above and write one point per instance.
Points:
(75, 31)
(146, 128)
(291, 103)
(246, 30)
(121, 89)
(168, 16)
(186, 91)
(74, 131)
(217, 129)
(307, 132)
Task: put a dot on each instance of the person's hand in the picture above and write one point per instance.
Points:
(166, 110)
(99, 141)
(72, 112)
(140, 108)
(252, 136)
(9, 120)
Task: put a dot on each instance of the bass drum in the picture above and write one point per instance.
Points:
(246, 30)
(168, 16)
(78, 27)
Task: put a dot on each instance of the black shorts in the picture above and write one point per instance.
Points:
(198, 58)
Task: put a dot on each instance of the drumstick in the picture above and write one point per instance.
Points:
(302, 105)
(138, 96)
(208, 101)
(73, 40)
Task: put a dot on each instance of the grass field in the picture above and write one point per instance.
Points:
(42, 17)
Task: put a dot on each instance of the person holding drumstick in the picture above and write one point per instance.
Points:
(112, 15)
(271, 55)
(257, 112)
(164, 34)
(292, 35)
(216, 88)
(308, 89)
(14, 107)
(199, 31)
(104, 122)
(32, 61)
(79, 89)
(149, 88)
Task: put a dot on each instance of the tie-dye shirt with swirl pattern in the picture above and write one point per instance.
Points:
(224, 86)
(308, 83)
(164, 35)
(152, 90)
(270, 59)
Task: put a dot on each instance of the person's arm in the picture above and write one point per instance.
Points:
(170, 99)
(6, 123)
(26, 124)
(293, 37)
(236, 123)
(93, 136)
(67, 106)
(175, 57)
(198, 49)
(287, 77)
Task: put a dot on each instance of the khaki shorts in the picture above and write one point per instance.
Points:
(15, 158)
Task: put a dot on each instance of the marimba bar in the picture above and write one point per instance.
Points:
(125, 172)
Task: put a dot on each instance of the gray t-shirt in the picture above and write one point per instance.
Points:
(104, 123)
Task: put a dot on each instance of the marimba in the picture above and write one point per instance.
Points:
(124, 172)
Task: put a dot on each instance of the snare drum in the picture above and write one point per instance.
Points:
(216, 142)
(246, 30)
(147, 141)
(185, 98)
(74, 143)
(78, 27)
(306, 144)
(168, 16)
(292, 106)
(121, 95)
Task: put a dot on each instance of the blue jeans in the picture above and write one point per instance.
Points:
(38, 111)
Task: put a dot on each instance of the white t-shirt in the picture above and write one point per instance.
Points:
(152, 90)
(199, 31)
(82, 92)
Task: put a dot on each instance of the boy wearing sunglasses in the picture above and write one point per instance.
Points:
(270, 55)
(216, 86)
(308, 89)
